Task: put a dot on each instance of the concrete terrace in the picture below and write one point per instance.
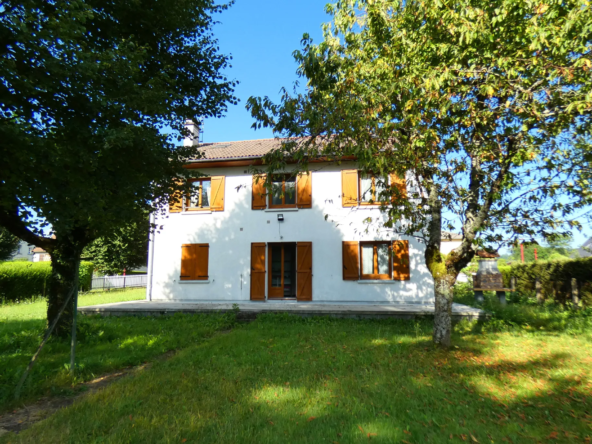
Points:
(250, 310)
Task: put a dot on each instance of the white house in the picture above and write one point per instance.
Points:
(40, 255)
(316, 237)
(25, 251)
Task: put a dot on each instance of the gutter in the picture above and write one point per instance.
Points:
(151, 238)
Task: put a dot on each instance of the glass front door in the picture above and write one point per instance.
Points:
(282, 266)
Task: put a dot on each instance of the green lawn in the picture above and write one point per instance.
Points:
(287, 380)
(104, 344)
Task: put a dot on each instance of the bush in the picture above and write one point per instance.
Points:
(555, 278)
(21, 281)
(524, 313)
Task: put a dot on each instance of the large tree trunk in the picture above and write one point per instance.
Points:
(443, 311)
(64, 279)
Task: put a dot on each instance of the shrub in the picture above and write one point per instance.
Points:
(27, 280)
(555, 278)
(524, 313)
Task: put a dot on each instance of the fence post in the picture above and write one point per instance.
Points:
(575, 293)
(513, 283)
(539, 291)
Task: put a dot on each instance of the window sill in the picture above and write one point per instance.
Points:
(187, 212)
(376, 281)
(279, 210)
(194, 282)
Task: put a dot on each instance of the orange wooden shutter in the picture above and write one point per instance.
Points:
(304, 271)
(202, 263)
(259, 192)
(194, 262)
(258, 271)
(176, 202)
(351, 261)
(349, 188)
(217, 202)
(188, 262)
(401, 266)
(304, 193)
(400, 183)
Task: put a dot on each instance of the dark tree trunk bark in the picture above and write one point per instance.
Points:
(64, 277)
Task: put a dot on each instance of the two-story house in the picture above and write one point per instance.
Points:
(314, 237)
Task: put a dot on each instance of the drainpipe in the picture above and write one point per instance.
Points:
(151, 238)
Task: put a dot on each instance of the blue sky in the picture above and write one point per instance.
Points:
(261, 36)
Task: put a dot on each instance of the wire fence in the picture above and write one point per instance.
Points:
(111, 282)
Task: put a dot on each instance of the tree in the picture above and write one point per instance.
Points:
(469, 100)
(125, 249)
(87, 90)
(9, 244)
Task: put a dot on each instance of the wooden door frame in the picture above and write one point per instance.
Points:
(269, 266)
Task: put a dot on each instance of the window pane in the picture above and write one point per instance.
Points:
(379, 188)
(276, 192)
(206, 193)
(365, 188)
(276, 266)
(291, 191)
(194, 201)
(367, 259)
(383, 259)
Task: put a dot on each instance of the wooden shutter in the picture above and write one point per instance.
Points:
(258, 271)
(194, 262)
(400, 183)
(349, 188)
(304, 190)
(304, 271)
(259, 192)
(176, 202)
(401, 266)
(217, 199)
(351, 261)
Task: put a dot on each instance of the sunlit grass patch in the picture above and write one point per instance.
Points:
(282, 379)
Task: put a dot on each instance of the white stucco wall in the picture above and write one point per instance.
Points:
(231, 232)
(447, 246)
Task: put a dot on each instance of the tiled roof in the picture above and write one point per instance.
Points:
(244, 149)
(38, 250)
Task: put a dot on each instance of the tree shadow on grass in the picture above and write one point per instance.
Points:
(104, 344)
(341, 381)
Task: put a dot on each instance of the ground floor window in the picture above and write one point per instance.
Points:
(376, 260)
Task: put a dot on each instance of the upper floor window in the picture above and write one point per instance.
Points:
(370, 188)
(283, 192)
(286, 191)
(207, 194)
(358, 188)
(201, 194)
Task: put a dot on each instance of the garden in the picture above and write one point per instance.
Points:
(525, 375)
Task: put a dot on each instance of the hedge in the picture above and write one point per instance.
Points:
(555, 278)
(27, 280)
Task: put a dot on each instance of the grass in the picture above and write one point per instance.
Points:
(286, 379)
(104, 344)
